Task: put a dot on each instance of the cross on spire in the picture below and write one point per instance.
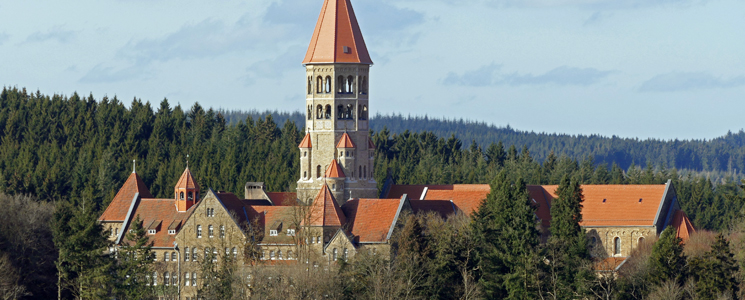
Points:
(134, 166)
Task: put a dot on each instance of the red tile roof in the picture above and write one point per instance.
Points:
(370, 220)
(306, 142)
(187, 181)
(164, 213)
(444, 208)
(413, 191)
(335, 171)
(282, 198)
(270, 215)
(465, 197)
(370, 144)
(119, 206)
(682, 225)
(609, 264)
(336, 31)
(618, 205)
(324, 211)
(345, 142)
(542, 201)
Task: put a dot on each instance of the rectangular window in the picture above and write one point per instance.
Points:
(166, 256)
(211, 231)
(187, 254)
(194, 279)
(151, 231)
(187, 282)
(291, 232)
(199, 231)
(222, 231)
(272, 233)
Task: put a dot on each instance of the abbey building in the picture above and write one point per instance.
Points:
(338, 210)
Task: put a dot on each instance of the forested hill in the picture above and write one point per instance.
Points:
(716, 157)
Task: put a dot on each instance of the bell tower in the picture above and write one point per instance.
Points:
(337, 67)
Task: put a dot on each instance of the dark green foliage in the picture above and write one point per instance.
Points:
(84, 265)
(567, 271)
(667, 261)
(135, 259)
(507, 238)
(715, 273)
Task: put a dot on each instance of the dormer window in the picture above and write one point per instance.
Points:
(171, 231)
(151, 231)
(272, 232)
(291, 232)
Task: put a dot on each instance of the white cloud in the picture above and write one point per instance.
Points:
(683, 81)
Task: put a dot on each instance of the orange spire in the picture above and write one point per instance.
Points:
(325, 211)
(345, 142)
(306, 142)
(186, 191)
(370, 144)
(337, 37)
(187, 181)
(335, 171)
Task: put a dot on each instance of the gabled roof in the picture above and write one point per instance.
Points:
(306, 142)
(187, 181)
(370, 220)
(324, 211)
(443, 208)
(270, 216)
(282, 198)
(336, 31)
(335, 170)
(119, 206)
(465, 197)
(682, 225)
(345, 142)
(156, 212)
(370, 144)
(618, 205)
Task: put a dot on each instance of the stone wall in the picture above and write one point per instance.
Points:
(601, 240)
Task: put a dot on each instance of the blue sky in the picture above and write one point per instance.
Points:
(633, 68)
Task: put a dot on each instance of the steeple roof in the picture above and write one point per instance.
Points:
(306, 142)
(345, 142)
(325, 211)
(187, 181)
(370, 144)
(119, 206)
(337, 37)
(335, 170)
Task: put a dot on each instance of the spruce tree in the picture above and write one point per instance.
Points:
(506, 233)
(667, 260)
(715, 272)
(135, 260)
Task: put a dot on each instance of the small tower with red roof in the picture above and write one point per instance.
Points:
(186, 191)
(337, 66)
(336, 178)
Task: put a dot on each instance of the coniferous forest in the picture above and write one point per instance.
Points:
(62, 159)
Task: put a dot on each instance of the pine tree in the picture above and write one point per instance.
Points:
(716, 272)
(135, 260)
(667, 261)
(507, 237)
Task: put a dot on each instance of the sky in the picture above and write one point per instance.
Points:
(666, 69)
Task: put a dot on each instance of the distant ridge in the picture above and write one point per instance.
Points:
(719, 157)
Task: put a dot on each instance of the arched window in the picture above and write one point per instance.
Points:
(235, 253)
(187, 254)
(166, 257)
(190, 196)
(211, 231)
(271, 255)
(305, 153)
(174, 278)
(319, 111)
(335, 254)
(319, 239)
(340, 112)
(182, 196)
(363, 85)
(167, 279)
(328, 84)
(289, 255)
(365, 168)
(363, 115)
(319, 85)
(350, 111)
(361, 172)
(155, 278)
(173, 256)
(340, 85)
(346, 254)
(617, 246)
(187, 282)
(328, 112)
(310, 85)
(641, 240)
(199, 231)
(310, 112)
(194, 279)
(194, 254)
(305, 174)
(350, 85)
(318, 171)
(279, 254)
(222, 231)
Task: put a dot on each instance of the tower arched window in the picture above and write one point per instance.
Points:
(340, 85)
(310, 85)
(310, 112)
(361, 172)
(319, 111)
(318, 171)
(327, 113)
(340, 112)
(305, 174)
(328, 84)
(363, 85)
(181, 196)
(617, 246)
(641, 240)
(365, 171)
(190, 196)
(363, 115)
(350, 85)
(350, 111)
(319, 85)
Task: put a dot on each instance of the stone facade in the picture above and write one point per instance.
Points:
(337, 102)
(617, 241)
